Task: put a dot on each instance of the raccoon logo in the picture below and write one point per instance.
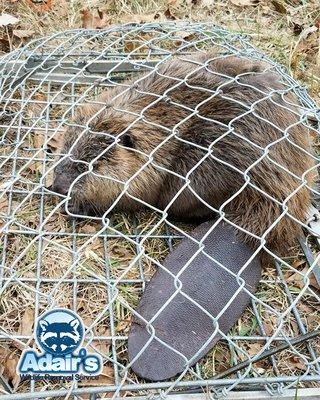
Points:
(59, 332)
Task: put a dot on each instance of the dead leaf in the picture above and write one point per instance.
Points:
(254, 349)
(308, 31)
(142, 18)
(121, 252)
(4, 353)
(10, 369)
(22, 33)
(102, 346)
(168, 14)
(270, 323)
(243, 3)
(97, 245)
(26, 324)
(297, 263)
(297, 28)
(297, 279)
(89, 21)
(89, 228)
(279, 6)
(105, 378)
(95, 249)
(205, 3)
(38, 140)
(41, 5)
(7, 19)
(124, 326)
(55, 144)
(4, 204)
(49, 178)
(185, 35)
(298, 363)
(305, 308)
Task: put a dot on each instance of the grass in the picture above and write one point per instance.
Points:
(87, 285)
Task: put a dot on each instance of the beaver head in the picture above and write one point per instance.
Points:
(108, 163)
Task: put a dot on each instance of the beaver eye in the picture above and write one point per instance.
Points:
(127, 141)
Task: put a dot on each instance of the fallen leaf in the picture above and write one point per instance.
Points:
(105, 378)
(297, 279)
(308, 31)
(270, 323)
(102, 346)
(243, 3)
(89, 21)
(3, 203)
(4, 206)
(55, 144)
(169, 15)
(88, 228)
(132, 44)
(49, 178)
(206, 3)
(38, 140)
(120, 252)
(297, 263)
(124, 326)
(41, 5)
(95, 248)
(27, 321)
(7, 19)
(4, 353)
(298, 363)
(279, 6)
(175, 3)
(10, 369)
(305, 308)
(22, 33)
(297, 28)
(185, 35)
(142, 18)
(254, 349)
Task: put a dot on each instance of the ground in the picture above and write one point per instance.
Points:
(288, 31)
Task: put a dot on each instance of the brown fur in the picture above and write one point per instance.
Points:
(140, 119)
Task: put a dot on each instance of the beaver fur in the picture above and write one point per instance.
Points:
(193, 138)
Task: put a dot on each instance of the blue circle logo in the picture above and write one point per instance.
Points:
(59, 332)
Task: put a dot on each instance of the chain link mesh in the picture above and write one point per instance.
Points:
(98, 266)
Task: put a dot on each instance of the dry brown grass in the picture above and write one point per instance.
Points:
(277, 33)
(272, 31)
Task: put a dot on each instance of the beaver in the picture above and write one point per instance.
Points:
(195, 138)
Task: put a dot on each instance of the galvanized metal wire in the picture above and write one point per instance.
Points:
(47, 261)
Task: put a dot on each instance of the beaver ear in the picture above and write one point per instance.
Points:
(127, 140)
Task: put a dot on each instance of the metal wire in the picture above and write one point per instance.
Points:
(100, 271)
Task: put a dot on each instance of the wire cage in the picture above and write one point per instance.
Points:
(99, 266)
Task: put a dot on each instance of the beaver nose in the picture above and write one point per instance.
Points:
(60, 186)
